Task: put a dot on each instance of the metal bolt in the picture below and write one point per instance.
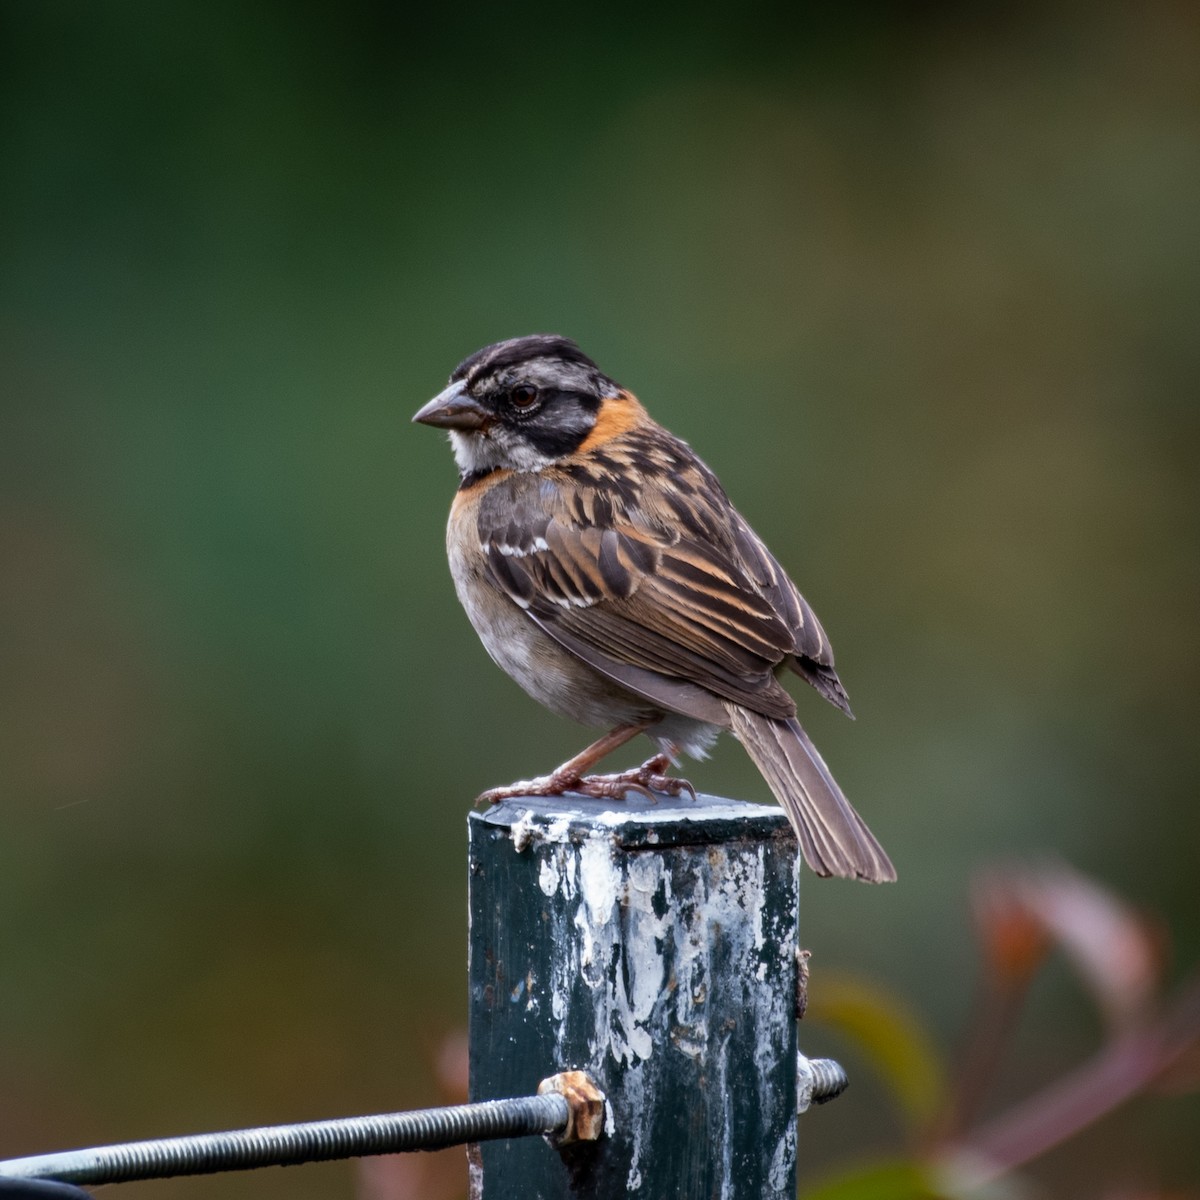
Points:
(587, 1104)
(820, 1080)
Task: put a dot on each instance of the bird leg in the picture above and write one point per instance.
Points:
(649, 778)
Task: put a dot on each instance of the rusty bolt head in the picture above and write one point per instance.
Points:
(586, 1103)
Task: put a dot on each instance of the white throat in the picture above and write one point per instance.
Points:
(478, 451)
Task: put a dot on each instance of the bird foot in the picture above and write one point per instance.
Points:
(647, 779)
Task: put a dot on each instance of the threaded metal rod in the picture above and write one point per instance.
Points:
(820, 1080)
(286, 1145)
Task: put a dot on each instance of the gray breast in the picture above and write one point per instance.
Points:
(551, 675)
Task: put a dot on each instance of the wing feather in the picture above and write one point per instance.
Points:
(653, 578)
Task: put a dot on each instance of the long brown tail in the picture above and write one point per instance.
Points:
(833, 837)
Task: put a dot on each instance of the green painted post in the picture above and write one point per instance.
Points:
(653, 946)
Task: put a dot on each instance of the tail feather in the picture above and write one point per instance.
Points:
(833, 837)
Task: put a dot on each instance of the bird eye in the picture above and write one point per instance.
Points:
(524, 395)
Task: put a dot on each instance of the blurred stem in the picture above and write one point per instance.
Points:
(995, 1018)
(1123, 1068)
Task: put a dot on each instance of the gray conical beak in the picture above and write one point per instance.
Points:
(454, 409)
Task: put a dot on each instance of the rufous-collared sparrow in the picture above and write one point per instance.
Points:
(605, 569)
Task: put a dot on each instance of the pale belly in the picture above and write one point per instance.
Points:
(550, 674)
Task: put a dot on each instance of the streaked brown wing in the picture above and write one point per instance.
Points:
(774, 583)
(813, 659)
(616, 580)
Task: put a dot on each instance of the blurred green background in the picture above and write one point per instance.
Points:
(923, 288)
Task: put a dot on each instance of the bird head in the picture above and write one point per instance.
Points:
(520, 404)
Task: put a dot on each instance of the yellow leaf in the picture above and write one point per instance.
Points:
(893, 1039)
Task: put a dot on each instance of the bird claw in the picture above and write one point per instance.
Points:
(554, 784)
(649, 780)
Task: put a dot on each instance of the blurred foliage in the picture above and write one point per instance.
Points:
(1022, 914)
(892, 1181)
(920, 282)
(892, 1038)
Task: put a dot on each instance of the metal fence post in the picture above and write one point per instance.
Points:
(653, 946)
